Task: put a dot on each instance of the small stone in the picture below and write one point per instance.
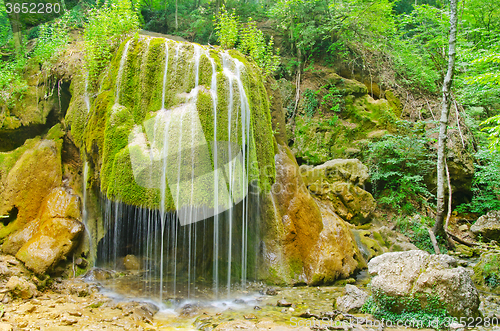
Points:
(283, 311)
(257, 308)
(271, 291)
(239, 301)
(66, 320)
(20, 287)
(250, 317)
(284, 303)
(291, 309)
(132, 262)
(456, 327)
(463, 227)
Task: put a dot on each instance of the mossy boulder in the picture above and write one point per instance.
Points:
(341, 182)
(340, 118)
(413, 281)
(487, 273)
(157, 102)
(488, 226)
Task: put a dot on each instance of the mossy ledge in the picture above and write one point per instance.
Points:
(104, 133)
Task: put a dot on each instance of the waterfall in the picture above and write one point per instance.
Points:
(84, 204)
(86, 97)
(196, 236)
(120, 72)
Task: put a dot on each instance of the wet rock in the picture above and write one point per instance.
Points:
(257, 308)
(21, 288)
(353, 299)
(53, 241)
(189, 310)
(240, 301)
(283, 303)
(132, 262)
(250, 317)
(419, 274)
(98, 274)
(271, 291)
(308, 314)
(488, 226)
(340, 183)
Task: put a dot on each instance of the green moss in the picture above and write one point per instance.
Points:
(106, 134)
(487, 273)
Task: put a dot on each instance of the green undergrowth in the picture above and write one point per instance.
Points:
(417, 310)
(416, 229)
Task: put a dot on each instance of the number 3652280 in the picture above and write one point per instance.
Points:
(32, 8)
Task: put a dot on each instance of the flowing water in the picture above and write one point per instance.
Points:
(200, 250)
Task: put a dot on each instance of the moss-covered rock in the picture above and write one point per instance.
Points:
(340, 118)
(155, 103)
(487, 272)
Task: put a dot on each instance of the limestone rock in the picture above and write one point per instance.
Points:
(487, 272)
(132, 262)
(53, 241)
(353, 299)
(419, 274)
(20, 287)
(340, 183)
(28, 183)
(488, 225)
(304, 240)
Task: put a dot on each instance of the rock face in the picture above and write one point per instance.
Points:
(24, 187)
(353, 299)
(488, 226)
(322, 134)
(43, 242)
(304, 240)
(341, 182)
(487, 272)
(417, 274)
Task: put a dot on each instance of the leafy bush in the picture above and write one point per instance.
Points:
(107, 26)
(433, 315)
(227, 28)
(485, 185)
(310, 102)
(397, 166)
(253, 43)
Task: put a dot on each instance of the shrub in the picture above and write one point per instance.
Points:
(227, 28)
(107, 26)
(397, 166)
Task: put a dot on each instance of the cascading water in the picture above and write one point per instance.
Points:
(195, 241)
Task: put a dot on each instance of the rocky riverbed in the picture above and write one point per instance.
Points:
(84, 303)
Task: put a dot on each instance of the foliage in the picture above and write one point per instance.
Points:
(253, 43)
(250, 40)
(383, 307)
(485, 185)
(333, 99)
(107, 26)
(52, 38)
(310, 102)
(416, 229)
(397, 166)
(227, 28)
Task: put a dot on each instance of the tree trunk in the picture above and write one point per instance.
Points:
(16, 32)
(176, 21)
(443, 122)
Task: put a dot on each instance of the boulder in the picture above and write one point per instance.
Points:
(401, 276)
(21, 288)
(340, 182)
(58, 204)
(488, 226)
(304, 240)
(22, 191)
(352, 300)
(487, 272)
(132, 262)
(53, 241)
